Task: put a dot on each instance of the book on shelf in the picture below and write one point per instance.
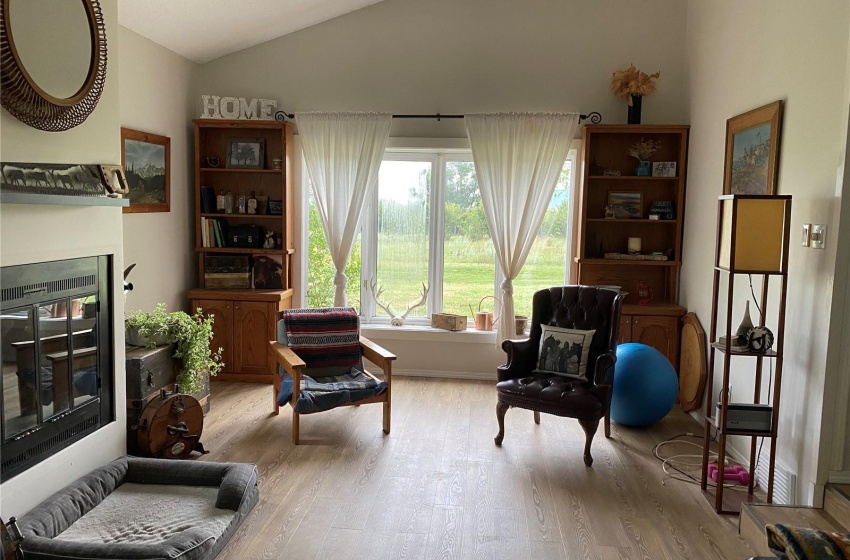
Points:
(207, 200)
(733, 345)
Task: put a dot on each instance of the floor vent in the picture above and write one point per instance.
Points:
(784, 482)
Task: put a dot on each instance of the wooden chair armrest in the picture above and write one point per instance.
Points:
(283, 355)
(375, 354)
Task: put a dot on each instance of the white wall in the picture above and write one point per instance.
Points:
(741, 55)
(34, 233)
(446, 56)
(157, 97)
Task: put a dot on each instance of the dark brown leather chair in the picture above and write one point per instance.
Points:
(572, 307)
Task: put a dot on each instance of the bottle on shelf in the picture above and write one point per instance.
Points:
(240, 203)
(228, 203)
(219, 202)
(252, 204)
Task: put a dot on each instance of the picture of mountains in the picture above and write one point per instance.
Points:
(144, 165)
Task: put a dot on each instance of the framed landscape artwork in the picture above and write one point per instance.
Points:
(625, 204)
(752, 151)
(146, 159)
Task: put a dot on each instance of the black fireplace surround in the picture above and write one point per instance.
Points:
(56, 339)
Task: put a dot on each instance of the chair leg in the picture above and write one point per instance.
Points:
(295, 419)
(608, 424)
(536, 416)
(275, 391)
(387, 414)
(501, 409)
(589, 427)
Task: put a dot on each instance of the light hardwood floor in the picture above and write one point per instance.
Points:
(437, 486)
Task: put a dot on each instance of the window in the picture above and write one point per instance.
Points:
(426, 226)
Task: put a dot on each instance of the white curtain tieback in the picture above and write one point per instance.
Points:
(340, 280)
(507, 286)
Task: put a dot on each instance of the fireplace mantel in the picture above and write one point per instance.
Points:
(59, 200)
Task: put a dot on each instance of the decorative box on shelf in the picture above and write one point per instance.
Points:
(448, 321)
(635, 257)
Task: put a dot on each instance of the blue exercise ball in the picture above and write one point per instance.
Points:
(645, 385)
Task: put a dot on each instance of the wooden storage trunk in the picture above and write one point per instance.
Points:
(147, 371)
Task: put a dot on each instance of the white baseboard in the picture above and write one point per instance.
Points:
(472, 375)
(839, 477)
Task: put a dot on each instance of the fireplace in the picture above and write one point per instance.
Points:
(57, 357)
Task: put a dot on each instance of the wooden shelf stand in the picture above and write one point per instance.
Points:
(727, 502)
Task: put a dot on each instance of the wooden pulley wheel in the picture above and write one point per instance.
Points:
(170, 426)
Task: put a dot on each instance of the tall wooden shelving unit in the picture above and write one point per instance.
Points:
(725, 264)
(606, 147)
(245, 318)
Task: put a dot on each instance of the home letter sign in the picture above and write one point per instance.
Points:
(217, 107)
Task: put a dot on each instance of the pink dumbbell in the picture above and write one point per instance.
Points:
(736, 473)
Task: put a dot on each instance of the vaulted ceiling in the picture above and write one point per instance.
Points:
(203, 30)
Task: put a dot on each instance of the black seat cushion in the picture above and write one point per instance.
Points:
(552, 394)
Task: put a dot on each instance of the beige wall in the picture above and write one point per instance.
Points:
(741, 55)
(156, 97)
(34, 233)
(408, 56)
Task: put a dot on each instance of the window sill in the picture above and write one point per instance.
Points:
(427, 334)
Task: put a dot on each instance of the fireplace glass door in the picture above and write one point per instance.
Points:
(55, 342)
(62, 339)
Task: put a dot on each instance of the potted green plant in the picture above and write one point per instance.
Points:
(190, 334)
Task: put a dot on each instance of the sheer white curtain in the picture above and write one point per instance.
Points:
(518, 159)
(343, 152)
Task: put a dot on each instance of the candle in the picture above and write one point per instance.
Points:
(634, 245)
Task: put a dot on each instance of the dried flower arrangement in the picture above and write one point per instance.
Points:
(631, 81)
(643, 149)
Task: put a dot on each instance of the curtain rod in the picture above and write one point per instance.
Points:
(594, 117)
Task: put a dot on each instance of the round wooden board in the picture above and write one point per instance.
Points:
(692, 366)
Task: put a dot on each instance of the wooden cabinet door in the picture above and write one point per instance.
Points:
(662, 333)
(252, 334)
(222, 313)
(625, 334)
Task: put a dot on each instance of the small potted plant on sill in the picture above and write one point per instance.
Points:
(190, 334)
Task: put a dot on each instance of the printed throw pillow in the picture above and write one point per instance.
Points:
(564, 352)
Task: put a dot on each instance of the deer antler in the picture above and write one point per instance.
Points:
(376, 295)
(420, 303)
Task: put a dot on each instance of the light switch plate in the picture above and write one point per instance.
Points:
(807, 234)
(818, 236)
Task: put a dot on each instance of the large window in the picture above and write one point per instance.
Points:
(426, 227)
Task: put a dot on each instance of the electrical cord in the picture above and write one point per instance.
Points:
(674, 462)
(753, 292)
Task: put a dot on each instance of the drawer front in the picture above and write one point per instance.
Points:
(148, 370)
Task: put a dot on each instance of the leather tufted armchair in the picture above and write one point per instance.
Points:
(572, 307)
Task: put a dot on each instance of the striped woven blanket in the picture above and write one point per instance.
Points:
(795, 543)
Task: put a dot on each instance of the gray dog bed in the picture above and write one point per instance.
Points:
(143, 509)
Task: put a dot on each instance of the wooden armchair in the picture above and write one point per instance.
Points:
(588, 400)
(304, 371)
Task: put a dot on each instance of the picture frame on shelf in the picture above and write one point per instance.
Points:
(146, 159)
(663, 168)
(626, 204)
(752, 151)
(245, 153)
(275, 207)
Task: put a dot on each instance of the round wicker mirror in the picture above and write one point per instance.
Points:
(46, 103)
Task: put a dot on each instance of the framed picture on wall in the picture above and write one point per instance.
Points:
(752, 151)
(146, 158)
